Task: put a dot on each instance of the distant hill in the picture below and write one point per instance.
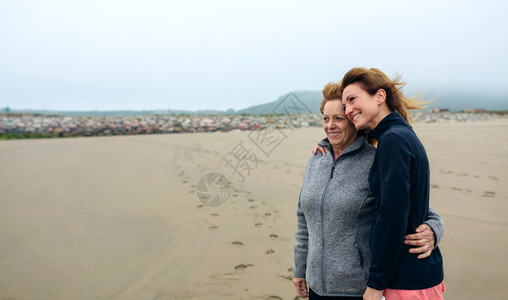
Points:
(310, 99)
(308, 102)
(453, 100)
(459, 101)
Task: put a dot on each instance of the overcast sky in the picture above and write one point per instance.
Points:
(112, 55)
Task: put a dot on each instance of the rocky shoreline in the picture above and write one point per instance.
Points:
(40, 126)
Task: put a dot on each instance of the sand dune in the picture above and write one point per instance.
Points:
(119, 217)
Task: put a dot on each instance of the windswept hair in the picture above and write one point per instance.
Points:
(371, 80)
(331, 91)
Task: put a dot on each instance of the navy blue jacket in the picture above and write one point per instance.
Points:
(399, 179)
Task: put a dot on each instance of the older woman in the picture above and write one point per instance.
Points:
(336, 209)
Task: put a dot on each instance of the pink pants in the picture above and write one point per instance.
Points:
(433, 293)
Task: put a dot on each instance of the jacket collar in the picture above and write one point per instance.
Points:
(392, 119)
(355, 145)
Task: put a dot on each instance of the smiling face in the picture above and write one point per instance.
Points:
(363, 109)
(339, 130)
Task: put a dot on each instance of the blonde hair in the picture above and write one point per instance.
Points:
(372, 80)
(331, 91)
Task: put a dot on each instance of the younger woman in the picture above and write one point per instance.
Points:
(399, 180)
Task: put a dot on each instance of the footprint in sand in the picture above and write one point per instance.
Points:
(441, 171)
(253, 206)
(489, 194)
(215, 215)
(288, 277)
(274, 236)
(242, 267)
(213, 227)
(185, 181)
(493, 177)
(251, 200)
(476, 176)
(237, 243)
(464, 191)
(272, 297)
(434, 186)
(258, 224)
(268, 214)
(190, 192)
(200, 206)
(463, 175)
(269, 251)
(220, 276)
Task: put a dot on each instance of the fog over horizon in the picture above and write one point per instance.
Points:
(219, 55)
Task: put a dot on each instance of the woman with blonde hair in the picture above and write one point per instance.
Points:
(399, 179)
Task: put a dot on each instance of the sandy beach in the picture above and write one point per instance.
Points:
(119, 217)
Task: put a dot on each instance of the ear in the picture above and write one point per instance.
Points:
(380, 96)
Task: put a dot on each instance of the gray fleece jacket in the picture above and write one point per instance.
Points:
(334, 219)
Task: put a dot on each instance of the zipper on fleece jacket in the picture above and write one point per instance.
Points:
(322, 212)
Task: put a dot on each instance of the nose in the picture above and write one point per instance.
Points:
(348, 110)
(330, 124)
